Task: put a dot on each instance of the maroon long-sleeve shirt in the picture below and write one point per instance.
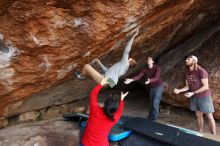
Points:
(99, 125)
(151, 73)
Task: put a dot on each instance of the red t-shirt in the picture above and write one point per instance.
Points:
(194, 80)
(99, 125)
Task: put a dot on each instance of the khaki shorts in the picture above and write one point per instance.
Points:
(111, 83)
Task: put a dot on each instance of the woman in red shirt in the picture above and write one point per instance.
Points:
(101, 120)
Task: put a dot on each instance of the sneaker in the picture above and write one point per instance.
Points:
(79, 75)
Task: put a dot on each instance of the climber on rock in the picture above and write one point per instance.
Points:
(114, 72)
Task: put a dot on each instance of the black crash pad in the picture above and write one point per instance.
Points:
(166, 134)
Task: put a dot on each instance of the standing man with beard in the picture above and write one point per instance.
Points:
(198, 91)
(152, 74)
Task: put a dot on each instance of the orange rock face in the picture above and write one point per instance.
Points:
(43, 41)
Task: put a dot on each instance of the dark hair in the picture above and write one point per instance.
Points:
(110, 107)
(152, 59)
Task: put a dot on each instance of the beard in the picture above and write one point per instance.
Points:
(189, 64)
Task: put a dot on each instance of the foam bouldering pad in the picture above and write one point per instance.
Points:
(167, 134)
(136, 139)
(76, 117)
(152, 129)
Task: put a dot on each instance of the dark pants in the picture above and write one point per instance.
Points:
(155, 98)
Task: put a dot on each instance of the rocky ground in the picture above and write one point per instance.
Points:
(53, 130)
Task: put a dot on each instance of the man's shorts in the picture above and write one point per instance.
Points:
(202, 104)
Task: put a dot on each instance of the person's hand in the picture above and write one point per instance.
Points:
(176, 91)
(128, 81)
(189, 94)
(123, 95)
(147, 82)
(104, 81)
(136, 33)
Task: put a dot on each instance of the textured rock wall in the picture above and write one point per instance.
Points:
(42, 42)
